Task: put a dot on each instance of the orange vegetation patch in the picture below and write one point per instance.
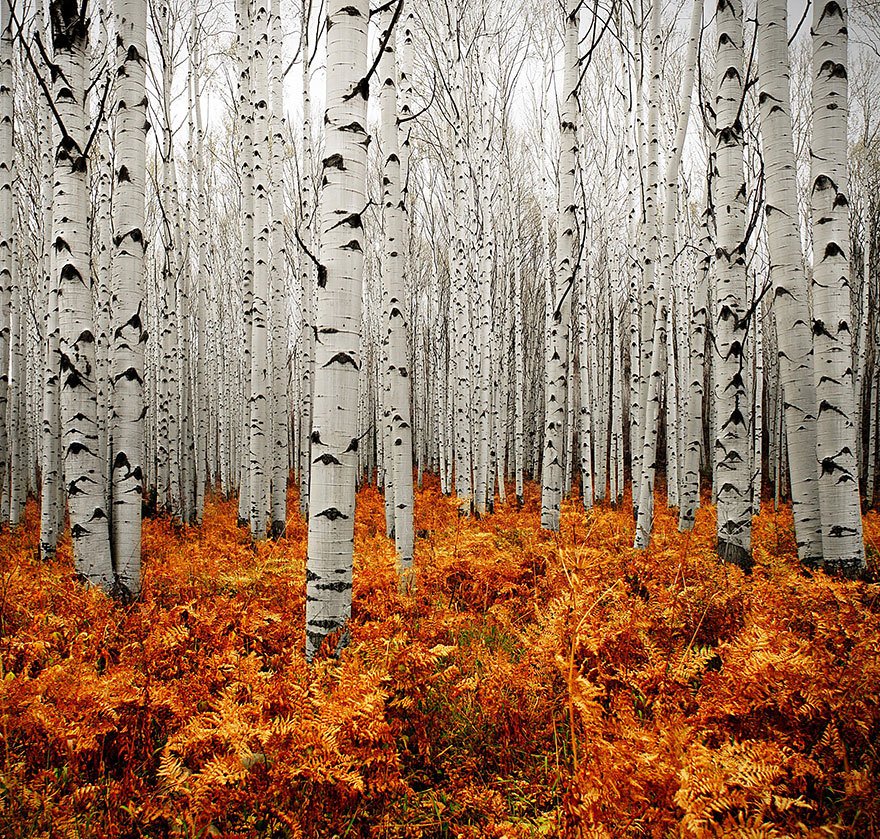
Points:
(536, 685)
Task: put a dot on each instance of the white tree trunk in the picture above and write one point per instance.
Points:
(279, 454)
(203, 394)
(730, 372)
(689, 500)
(565, 268)
(658, 360)
(52, 490)
(83, 470)
(842, 546)
(585, 414)
(397, 373)
(337, 347)
(127, 289)
(244, 47)
(307, 273)
(7, 228)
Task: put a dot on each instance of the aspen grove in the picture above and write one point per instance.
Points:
(441, 418)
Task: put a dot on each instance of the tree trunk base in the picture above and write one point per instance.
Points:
(853, 569)
(735, 555)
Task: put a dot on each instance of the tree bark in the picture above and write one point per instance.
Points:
(337, 346)
(842, 546)
(127, 290)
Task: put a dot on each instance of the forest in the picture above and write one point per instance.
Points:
(439, 420)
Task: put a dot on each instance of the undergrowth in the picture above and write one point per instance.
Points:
(536, 685)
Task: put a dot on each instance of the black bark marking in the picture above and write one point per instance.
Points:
(342, 358)
(327, 459)
(332, 514)
(337, 586)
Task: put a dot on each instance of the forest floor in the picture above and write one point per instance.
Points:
(536, 685)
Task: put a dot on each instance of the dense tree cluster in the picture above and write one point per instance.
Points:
(591, 244)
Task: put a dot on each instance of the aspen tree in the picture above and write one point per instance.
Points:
(127, 289)
(244, 48)
(689, 499)
(169, 423)
(732, 408)
(101, 234)
(458, 297)
(13, 503)
(483, 493)
(259, 419)
(338, 332)
(7, 227)
(564, 269)
(617, 445)
(842, 546)
(83, 471)
(279, 454)
(397, 374)
(790, 297)
(519, 366)
(585, 413)
(307, 273)
(649, 234)
(52, 489)
(201, 374)
(658, 356)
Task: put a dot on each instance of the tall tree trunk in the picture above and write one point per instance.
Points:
(244, 47)
(393, 264)
(7, 228)
(259, 428)
(307, 273)
(649, 310)
(127, 289)
(337, 346)
(279, 455)
(565, 268)
(52, 490)
(83, 470)
(690, 485)
(658, 359)
(732, 408)
(585, 414)
(790, 298)
(842, 546)
(458, 299)
(201, 377)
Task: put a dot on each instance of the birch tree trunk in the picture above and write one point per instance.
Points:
(307, 274)
(7, 227)
(393, 264)
(201, 373)
(279, 454)
(732, 407)
(52, 489)
(790, 297)
(458, 302)
(557, 364)
(17, 479)
(690, 488)
(259, 429)
(83, 470)
(244, 46)
(337, 345)
(842, 546)
(129, 333)
(585, 425)
(658, 359)
(649, 313)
